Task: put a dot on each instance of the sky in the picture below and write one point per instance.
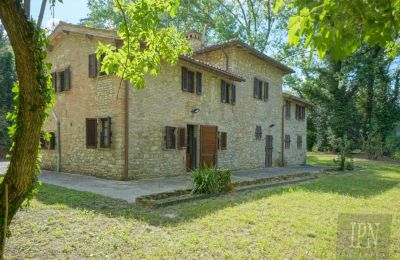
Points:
(70, 11)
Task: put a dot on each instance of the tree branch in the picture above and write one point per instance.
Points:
(41, 14)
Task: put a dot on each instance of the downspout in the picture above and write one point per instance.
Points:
(282, 136)
(126, 132)
(58, 141)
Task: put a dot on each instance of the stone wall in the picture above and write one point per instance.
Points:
(163, 103)
(87, 98)
(294, 128)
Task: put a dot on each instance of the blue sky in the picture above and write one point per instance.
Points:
(70, 11)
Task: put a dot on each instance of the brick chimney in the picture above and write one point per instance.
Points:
(194, 39)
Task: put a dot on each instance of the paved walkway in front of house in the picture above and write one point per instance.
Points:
(130, 190)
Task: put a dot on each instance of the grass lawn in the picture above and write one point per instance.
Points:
(287, 222)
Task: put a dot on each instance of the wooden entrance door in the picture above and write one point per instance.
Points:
(268, 150)
(208, 145)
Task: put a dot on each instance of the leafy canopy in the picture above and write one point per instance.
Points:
(145, 41)
(340, 27)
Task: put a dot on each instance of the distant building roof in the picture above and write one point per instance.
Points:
(239, 43)
(288, 96)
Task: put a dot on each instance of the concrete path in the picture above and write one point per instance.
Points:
(130, 190)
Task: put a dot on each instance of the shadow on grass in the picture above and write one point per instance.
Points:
(362, 184)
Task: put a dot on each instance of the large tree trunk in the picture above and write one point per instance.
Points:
(22, 173)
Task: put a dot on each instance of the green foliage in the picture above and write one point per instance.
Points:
(343, 148)
(251, 21)
(211, 180)
(146, 43)
(7, 79)
(340, 27)
(397, 155)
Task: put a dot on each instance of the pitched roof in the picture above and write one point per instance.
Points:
(212, 68)
(288, 96)
(239, 43)
(63, 28)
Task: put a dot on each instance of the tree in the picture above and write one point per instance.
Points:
(34, 93)
(7, 79)
(218, 20)
(340, 27)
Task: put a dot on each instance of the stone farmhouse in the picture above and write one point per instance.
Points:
(222, 106)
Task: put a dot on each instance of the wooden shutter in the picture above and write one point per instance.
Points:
(184, 79)
(43, 142)
(92, 66)
(266, 91)
(233, 94)
(54, 81)
(299, 141)
(91, 133)
(199, 79)
(170, 142)
(227, 94)
(223, 141)
(62, 81)
(52, 141)
(67, 79)
(118, 44)
(223, 91)
(182, 138)
(258, 132)
(256, 92)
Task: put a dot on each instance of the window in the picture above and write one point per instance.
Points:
(170, 142)
(191, 80)
(222, 140)
(300, 113)
(261, 89)
(228, 93)
(61, 80)
(106, 134)
(95, 66)
(49, 144)
(182, 138)
(287, 141)
(299, 141)
(258, 132)
(91, 133)
(288, 107)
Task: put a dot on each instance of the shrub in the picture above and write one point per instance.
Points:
(397, 155)
(343, 148)
(211, 180)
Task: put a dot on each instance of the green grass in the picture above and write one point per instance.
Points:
(291, 222)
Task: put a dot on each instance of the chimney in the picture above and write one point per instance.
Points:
(194, 39)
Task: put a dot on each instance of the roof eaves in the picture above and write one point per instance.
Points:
(255, 52)
(212, 68)
(288, 96)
